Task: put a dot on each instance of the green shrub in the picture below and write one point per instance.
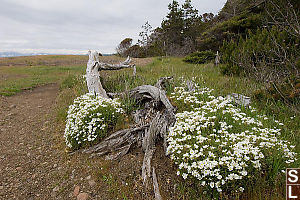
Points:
(200, 57)
(232, 28)
(268, 55)
(89, 119)
(287, 91)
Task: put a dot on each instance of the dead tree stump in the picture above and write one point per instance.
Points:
(151, 123)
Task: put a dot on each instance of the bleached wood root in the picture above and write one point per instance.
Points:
(152, 124)
(155, 186)
(92, 72)
(117, 144)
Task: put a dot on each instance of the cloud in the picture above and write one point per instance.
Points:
(79, 25)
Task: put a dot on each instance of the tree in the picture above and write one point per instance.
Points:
(124, 46)
(190, 15)
(206, 17)
(192, 25)
(285, 14)
(173, 26)
(145, 35)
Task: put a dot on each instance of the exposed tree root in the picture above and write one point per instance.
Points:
(152, 123)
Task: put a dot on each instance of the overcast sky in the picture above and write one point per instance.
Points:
(74, 26)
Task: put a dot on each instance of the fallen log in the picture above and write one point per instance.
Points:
(151, 123)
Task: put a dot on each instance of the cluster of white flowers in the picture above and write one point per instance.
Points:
(220, 144)
(89, 118)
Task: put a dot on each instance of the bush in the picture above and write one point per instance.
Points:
(268, 55)
(289, 91)
(232, 28)
(89, 119)
(223, 147)
(200, 57)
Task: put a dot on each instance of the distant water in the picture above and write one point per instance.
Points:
(15, 54)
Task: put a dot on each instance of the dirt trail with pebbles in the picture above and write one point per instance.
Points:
(33, 164)
(27, 156)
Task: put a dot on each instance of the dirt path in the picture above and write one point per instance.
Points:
(26, 156)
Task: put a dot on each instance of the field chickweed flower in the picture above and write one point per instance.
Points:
(89, 118)
(220, 144)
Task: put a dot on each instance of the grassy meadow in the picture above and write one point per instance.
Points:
(16, 77)
(26, 72)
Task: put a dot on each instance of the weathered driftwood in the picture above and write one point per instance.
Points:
(152, 123)
(117, 144)
(240, 99)
(217, 59)
(155, 186)
(134, 71)
(92, 72)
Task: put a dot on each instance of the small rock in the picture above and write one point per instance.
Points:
(92, 183)
(12, 106)
(76, 191)
(88, 177)
(1, 187)
(19, 168)
(55, 165)
(33, 176)
(56, 189)
(83, 196)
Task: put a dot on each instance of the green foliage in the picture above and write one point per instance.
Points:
(71, 81)
(229, 50)
(230, 29)
(124, 46)
(236, 7)
(265, 54)
(70, 88)
(288, 91)
(200, 57)
(173, 25)
(18, 78)
(153, 49)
